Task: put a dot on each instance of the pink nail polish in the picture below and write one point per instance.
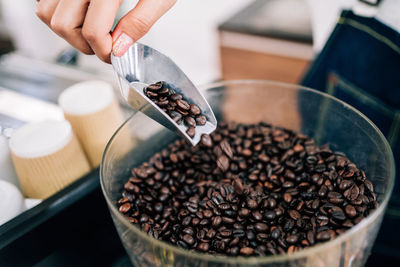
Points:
(122, 45)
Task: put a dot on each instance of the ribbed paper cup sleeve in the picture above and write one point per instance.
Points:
(47, 157)
(94, 114)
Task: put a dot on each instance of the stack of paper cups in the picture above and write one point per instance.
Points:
(47, 157)
(94, 114)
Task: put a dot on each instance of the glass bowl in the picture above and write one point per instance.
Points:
(318, 115)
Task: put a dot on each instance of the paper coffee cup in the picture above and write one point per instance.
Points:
(47, 157)
(94, 114)
(11, 201)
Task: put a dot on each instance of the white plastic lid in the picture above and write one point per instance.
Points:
(11, 201)
(40, 138)
(86, 97)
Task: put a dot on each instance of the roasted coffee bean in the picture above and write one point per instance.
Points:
(246, 190)
(288, 184)
(257, 215)
(188, 230)
(275, 234)
(125, 208)
(206, 140)
(191, 131)
(224, 206)
(294, 214)
(352, 193)
(369, 186)
(163, 93)
(292, 239)
(247, 152)
(155, 87)
(345, 184)
(188, 239)
(239, 233)
(238, 186)
(263, 158)
(315, 204)
(288, 225)
(183, 105)
(176, 116)
(211, 233)
(190, 122)
(269, 215)
(322, 191)
(246, 251)
(252, 204)
(347, 224)
(207, 213)
(203, 222)
(323, 236)
(216, 221)
(201, 234)
(223, 163)
(151, 94)
(311, 237)
(287, 197)
(175, 97)
(228, 220)
(162, 103)
(338, 214)
(351, 212)
(129, 187)
(194, 110)
(226, 148)
(204, 247)
(244, 212)
(182, 112)
(271, 203)
(298, 148)
(186, 221)
(261, 227)
(226, 233)
(158, 207)
(253, 177)
(201, 120)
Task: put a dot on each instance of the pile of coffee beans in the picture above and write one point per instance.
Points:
(247, 190)
(175, 106)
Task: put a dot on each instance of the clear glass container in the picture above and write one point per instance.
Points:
(320, 116)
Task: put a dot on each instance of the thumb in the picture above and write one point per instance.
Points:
(137, 23)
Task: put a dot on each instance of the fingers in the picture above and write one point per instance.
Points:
(86, 24)
(137, 22)
(45, 10)
(67, 22)
(98, 23)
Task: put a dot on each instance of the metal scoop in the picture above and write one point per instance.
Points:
(142, 65)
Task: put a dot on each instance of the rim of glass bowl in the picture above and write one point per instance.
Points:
(312, 250)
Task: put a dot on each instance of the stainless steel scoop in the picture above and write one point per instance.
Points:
(142, 65)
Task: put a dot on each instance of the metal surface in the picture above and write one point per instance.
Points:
(142, 65)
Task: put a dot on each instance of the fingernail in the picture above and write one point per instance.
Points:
(122, 45)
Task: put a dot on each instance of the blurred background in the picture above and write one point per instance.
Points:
(223, 38)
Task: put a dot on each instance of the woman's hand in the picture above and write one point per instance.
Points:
(86, 24)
